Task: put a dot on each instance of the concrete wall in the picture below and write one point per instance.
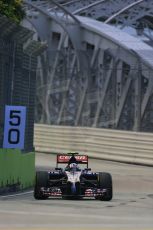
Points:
(122, 146)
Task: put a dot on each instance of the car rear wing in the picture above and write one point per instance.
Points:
(64, 159)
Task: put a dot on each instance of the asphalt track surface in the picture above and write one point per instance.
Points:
(130, 208)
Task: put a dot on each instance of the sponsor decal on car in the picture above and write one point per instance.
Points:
(65, 158)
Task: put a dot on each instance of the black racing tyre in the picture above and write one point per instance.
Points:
(41, 180)
(105, 182)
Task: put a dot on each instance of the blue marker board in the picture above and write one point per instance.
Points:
(14, 127)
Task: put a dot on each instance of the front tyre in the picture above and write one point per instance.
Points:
(41, 180)
(105, 182)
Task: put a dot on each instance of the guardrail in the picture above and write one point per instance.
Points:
(107, 144)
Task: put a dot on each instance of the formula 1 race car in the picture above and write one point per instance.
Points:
(72, 181)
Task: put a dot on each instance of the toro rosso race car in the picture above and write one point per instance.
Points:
(72, 181)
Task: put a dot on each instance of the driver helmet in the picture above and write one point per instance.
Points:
(73, 166)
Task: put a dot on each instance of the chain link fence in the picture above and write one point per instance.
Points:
(18, 63)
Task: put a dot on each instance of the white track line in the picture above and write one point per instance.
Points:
(17, 194)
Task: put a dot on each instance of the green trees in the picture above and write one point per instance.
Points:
(12, 9)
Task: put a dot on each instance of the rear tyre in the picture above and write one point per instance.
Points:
(105, 182)
(41, 180)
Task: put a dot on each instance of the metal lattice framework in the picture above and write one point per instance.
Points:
(122, 13)
(63, 48)
(92, 74)
(135, 13)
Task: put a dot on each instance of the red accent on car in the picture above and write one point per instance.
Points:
(61, 158)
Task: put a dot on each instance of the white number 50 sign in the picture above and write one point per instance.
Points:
(14, 127)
